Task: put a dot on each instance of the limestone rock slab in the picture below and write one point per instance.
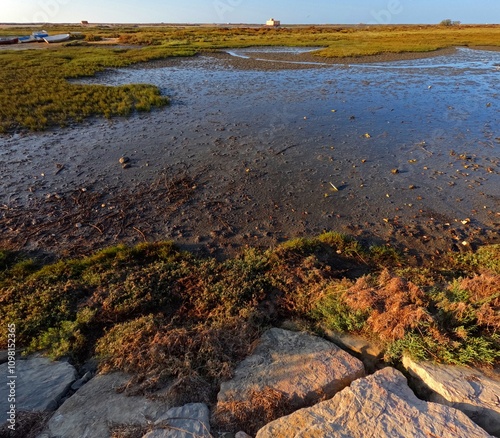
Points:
(303, 367)
(380, 405)
(96, 407)
(39, 384)
(467, 389)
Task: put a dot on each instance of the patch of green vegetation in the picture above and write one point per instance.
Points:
(39, 93)
(334, 314)
(486, 258)
(7, 258)
(403, 39)
(384, 255)
(342, 244)
(475, 350)
(159, 312)
(301, 245)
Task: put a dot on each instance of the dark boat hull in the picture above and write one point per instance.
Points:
(4, 42)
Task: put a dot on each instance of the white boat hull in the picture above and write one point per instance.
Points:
(57, 38)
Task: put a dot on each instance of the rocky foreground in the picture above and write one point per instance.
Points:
(293, 385)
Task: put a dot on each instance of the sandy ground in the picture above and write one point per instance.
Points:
(229, 164)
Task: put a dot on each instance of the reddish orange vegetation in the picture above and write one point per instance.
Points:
(260, 408)
(156, 351)
(396, 305)
(484, 293)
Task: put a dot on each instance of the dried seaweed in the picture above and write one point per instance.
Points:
(79, 220)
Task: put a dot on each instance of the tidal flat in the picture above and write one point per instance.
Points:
(403, 152)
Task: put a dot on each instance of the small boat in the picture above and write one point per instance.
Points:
(40, 35)
(27, 39)
(57, 38)
(11, 40)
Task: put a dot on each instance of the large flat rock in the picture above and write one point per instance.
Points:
(467, 389)
(96, 407)
(380, 405)
(303, 367)
(39, 384)
(188, 421)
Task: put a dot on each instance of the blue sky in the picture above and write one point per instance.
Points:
(250, 11)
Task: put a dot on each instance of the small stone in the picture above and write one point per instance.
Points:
(394, 171)
(124, 160)
(411, 187)
(80, 382)
(191, 420)
(126, 165)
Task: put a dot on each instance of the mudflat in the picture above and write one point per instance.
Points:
(259, 146)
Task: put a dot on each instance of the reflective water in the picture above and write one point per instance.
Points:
(446, 101)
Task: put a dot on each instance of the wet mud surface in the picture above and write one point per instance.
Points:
(252, 152)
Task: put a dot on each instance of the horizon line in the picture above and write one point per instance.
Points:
(90, 23)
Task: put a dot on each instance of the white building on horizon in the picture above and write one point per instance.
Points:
(272, 22)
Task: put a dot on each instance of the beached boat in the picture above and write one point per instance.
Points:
(40, 35)
(57, 38)
(12, 40)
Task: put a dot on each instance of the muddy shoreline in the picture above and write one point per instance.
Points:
(246, 156)
(296, 62)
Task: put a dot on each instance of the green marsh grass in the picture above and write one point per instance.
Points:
(39, 94)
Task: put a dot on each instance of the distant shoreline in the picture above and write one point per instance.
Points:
(239, 25)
